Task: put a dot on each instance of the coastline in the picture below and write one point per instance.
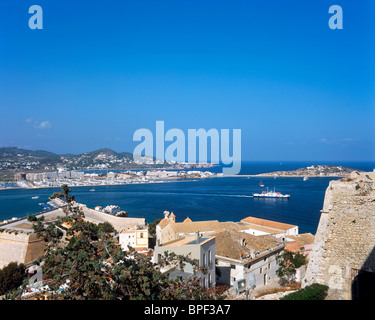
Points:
(96, 185)
(179, 180)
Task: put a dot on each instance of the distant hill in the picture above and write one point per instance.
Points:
(11, 152)
(16, 159)
(314, 171)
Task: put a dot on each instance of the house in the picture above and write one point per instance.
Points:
(195, 247)
(241, 256)
(136, 238)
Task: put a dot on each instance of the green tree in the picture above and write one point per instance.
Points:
(289, 262)
(106, 227)
(64, 193)
(152, 227)
(11, 277)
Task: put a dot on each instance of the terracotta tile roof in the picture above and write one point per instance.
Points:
(164, 222)
(268, 223)
(228, 243)
(303, 238)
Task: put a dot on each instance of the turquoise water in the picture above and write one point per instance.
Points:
(223, 199)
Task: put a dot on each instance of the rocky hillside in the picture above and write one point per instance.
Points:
(14, 159)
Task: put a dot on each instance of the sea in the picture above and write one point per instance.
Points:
(219, 198)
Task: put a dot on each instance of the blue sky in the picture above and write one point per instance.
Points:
(99, 70)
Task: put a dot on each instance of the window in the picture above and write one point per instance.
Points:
(204, 259)
(269, 266)
(141, 234)
(260, 269)
(233, 266)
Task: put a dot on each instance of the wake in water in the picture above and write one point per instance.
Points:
(202, 194)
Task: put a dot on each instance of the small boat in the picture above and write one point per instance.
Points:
(261, 184)
(271, 194)
(43, 205)
(92, 189)
(36, 197)
(305, 178)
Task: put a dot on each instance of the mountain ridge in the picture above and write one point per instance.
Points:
(18, 159)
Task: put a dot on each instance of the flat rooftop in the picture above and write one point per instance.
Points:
(187, 241)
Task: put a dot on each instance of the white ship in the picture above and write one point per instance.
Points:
(271, 194)
(305, 178)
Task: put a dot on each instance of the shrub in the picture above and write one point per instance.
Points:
(315, 291)
(11, 277)
(288, 263)
(106, 227)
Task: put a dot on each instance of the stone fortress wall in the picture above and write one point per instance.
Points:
(345, 239)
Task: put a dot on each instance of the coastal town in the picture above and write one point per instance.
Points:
(243, 257)
(85, 179)
(16, 160)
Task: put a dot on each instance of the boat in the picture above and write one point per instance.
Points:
(271, 194)
(92, 189)
(36, 197)
(305, 178)
(44, 206)
(261, 184)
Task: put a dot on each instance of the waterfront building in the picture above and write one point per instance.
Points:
(20, 176)
(36, 176)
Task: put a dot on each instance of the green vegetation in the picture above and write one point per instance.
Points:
(106, 227)
(11, 277)
(152, 227)
(289, 262)
(314, 292)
